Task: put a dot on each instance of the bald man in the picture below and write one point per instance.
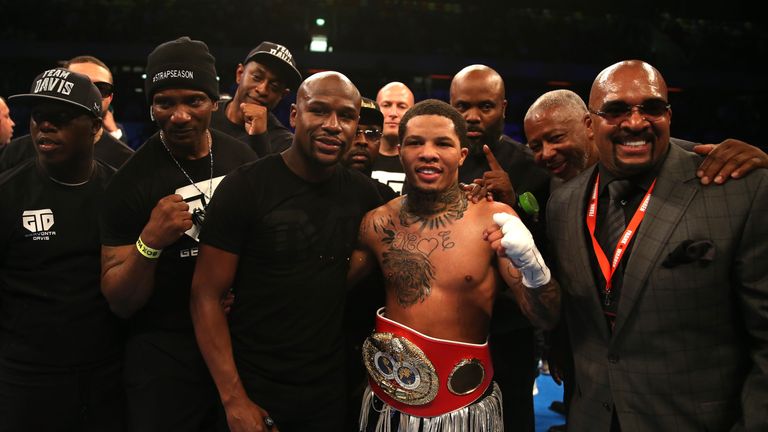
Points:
(506, 167)
(394, 100)
(667, 324)
(560, 140)
(284, 253)
(477, 91)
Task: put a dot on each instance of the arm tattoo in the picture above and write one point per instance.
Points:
(541, 305)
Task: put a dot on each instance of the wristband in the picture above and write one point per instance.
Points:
(147, 251)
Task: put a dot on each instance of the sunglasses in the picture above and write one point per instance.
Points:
(58, 117)
(106, 89)
(616, 112)
(370, 134)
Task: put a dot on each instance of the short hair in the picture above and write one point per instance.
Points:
(562, 98)
(439, 108)
(85, 59)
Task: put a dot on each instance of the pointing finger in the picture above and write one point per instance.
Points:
(492, 162)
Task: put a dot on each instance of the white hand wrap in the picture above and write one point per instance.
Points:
(521, 250)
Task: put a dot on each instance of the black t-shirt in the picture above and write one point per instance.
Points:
(107, 149)
(134, 191)
(389, 170)
(276, 139)
(386, 192)
(52, 313)
(294, 244)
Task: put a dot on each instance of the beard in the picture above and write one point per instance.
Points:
(489, 135)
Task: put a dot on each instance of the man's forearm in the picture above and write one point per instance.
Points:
(544, 304)
(127, 279)
(215, 342)
(541, 305)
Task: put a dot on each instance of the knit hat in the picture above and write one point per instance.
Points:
(64, 86)
(277, 57)
(181, 64)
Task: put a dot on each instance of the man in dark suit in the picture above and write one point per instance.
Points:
(676, 339)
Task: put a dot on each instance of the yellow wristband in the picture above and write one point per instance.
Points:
(147, 251)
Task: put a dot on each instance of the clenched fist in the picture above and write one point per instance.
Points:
(169, 220)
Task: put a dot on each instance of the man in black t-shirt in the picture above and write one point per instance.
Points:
(154, 207)
(107, 148)
(394, 100)
(265, 77)
(284, 252)
(60, 349)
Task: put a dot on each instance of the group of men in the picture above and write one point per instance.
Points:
(229, 245)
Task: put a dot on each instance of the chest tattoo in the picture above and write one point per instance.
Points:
(406, 259)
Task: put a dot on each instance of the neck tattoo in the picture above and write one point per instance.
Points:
(198, 215)
(433, 211)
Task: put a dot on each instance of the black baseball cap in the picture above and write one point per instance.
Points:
(278, 57)
(63, 85)
(370, 114)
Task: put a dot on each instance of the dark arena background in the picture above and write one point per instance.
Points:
(711, 56)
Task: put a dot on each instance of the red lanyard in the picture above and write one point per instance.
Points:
(609, 269)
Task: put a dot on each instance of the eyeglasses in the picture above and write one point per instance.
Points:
(370, 134)
(616, 112)
(106, 89)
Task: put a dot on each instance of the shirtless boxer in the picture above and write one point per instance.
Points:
(428, 359)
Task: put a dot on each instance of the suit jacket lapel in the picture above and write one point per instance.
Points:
(670, 198)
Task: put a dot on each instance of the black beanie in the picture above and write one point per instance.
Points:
(181, 64)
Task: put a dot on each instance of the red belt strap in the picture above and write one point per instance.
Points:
(421, 375)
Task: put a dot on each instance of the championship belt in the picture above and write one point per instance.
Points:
(421, 375)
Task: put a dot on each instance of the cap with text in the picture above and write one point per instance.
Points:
(277, 57)
(62, 85)
(370, 114)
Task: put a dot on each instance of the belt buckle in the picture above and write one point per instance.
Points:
(400, 368)
(466, 377)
